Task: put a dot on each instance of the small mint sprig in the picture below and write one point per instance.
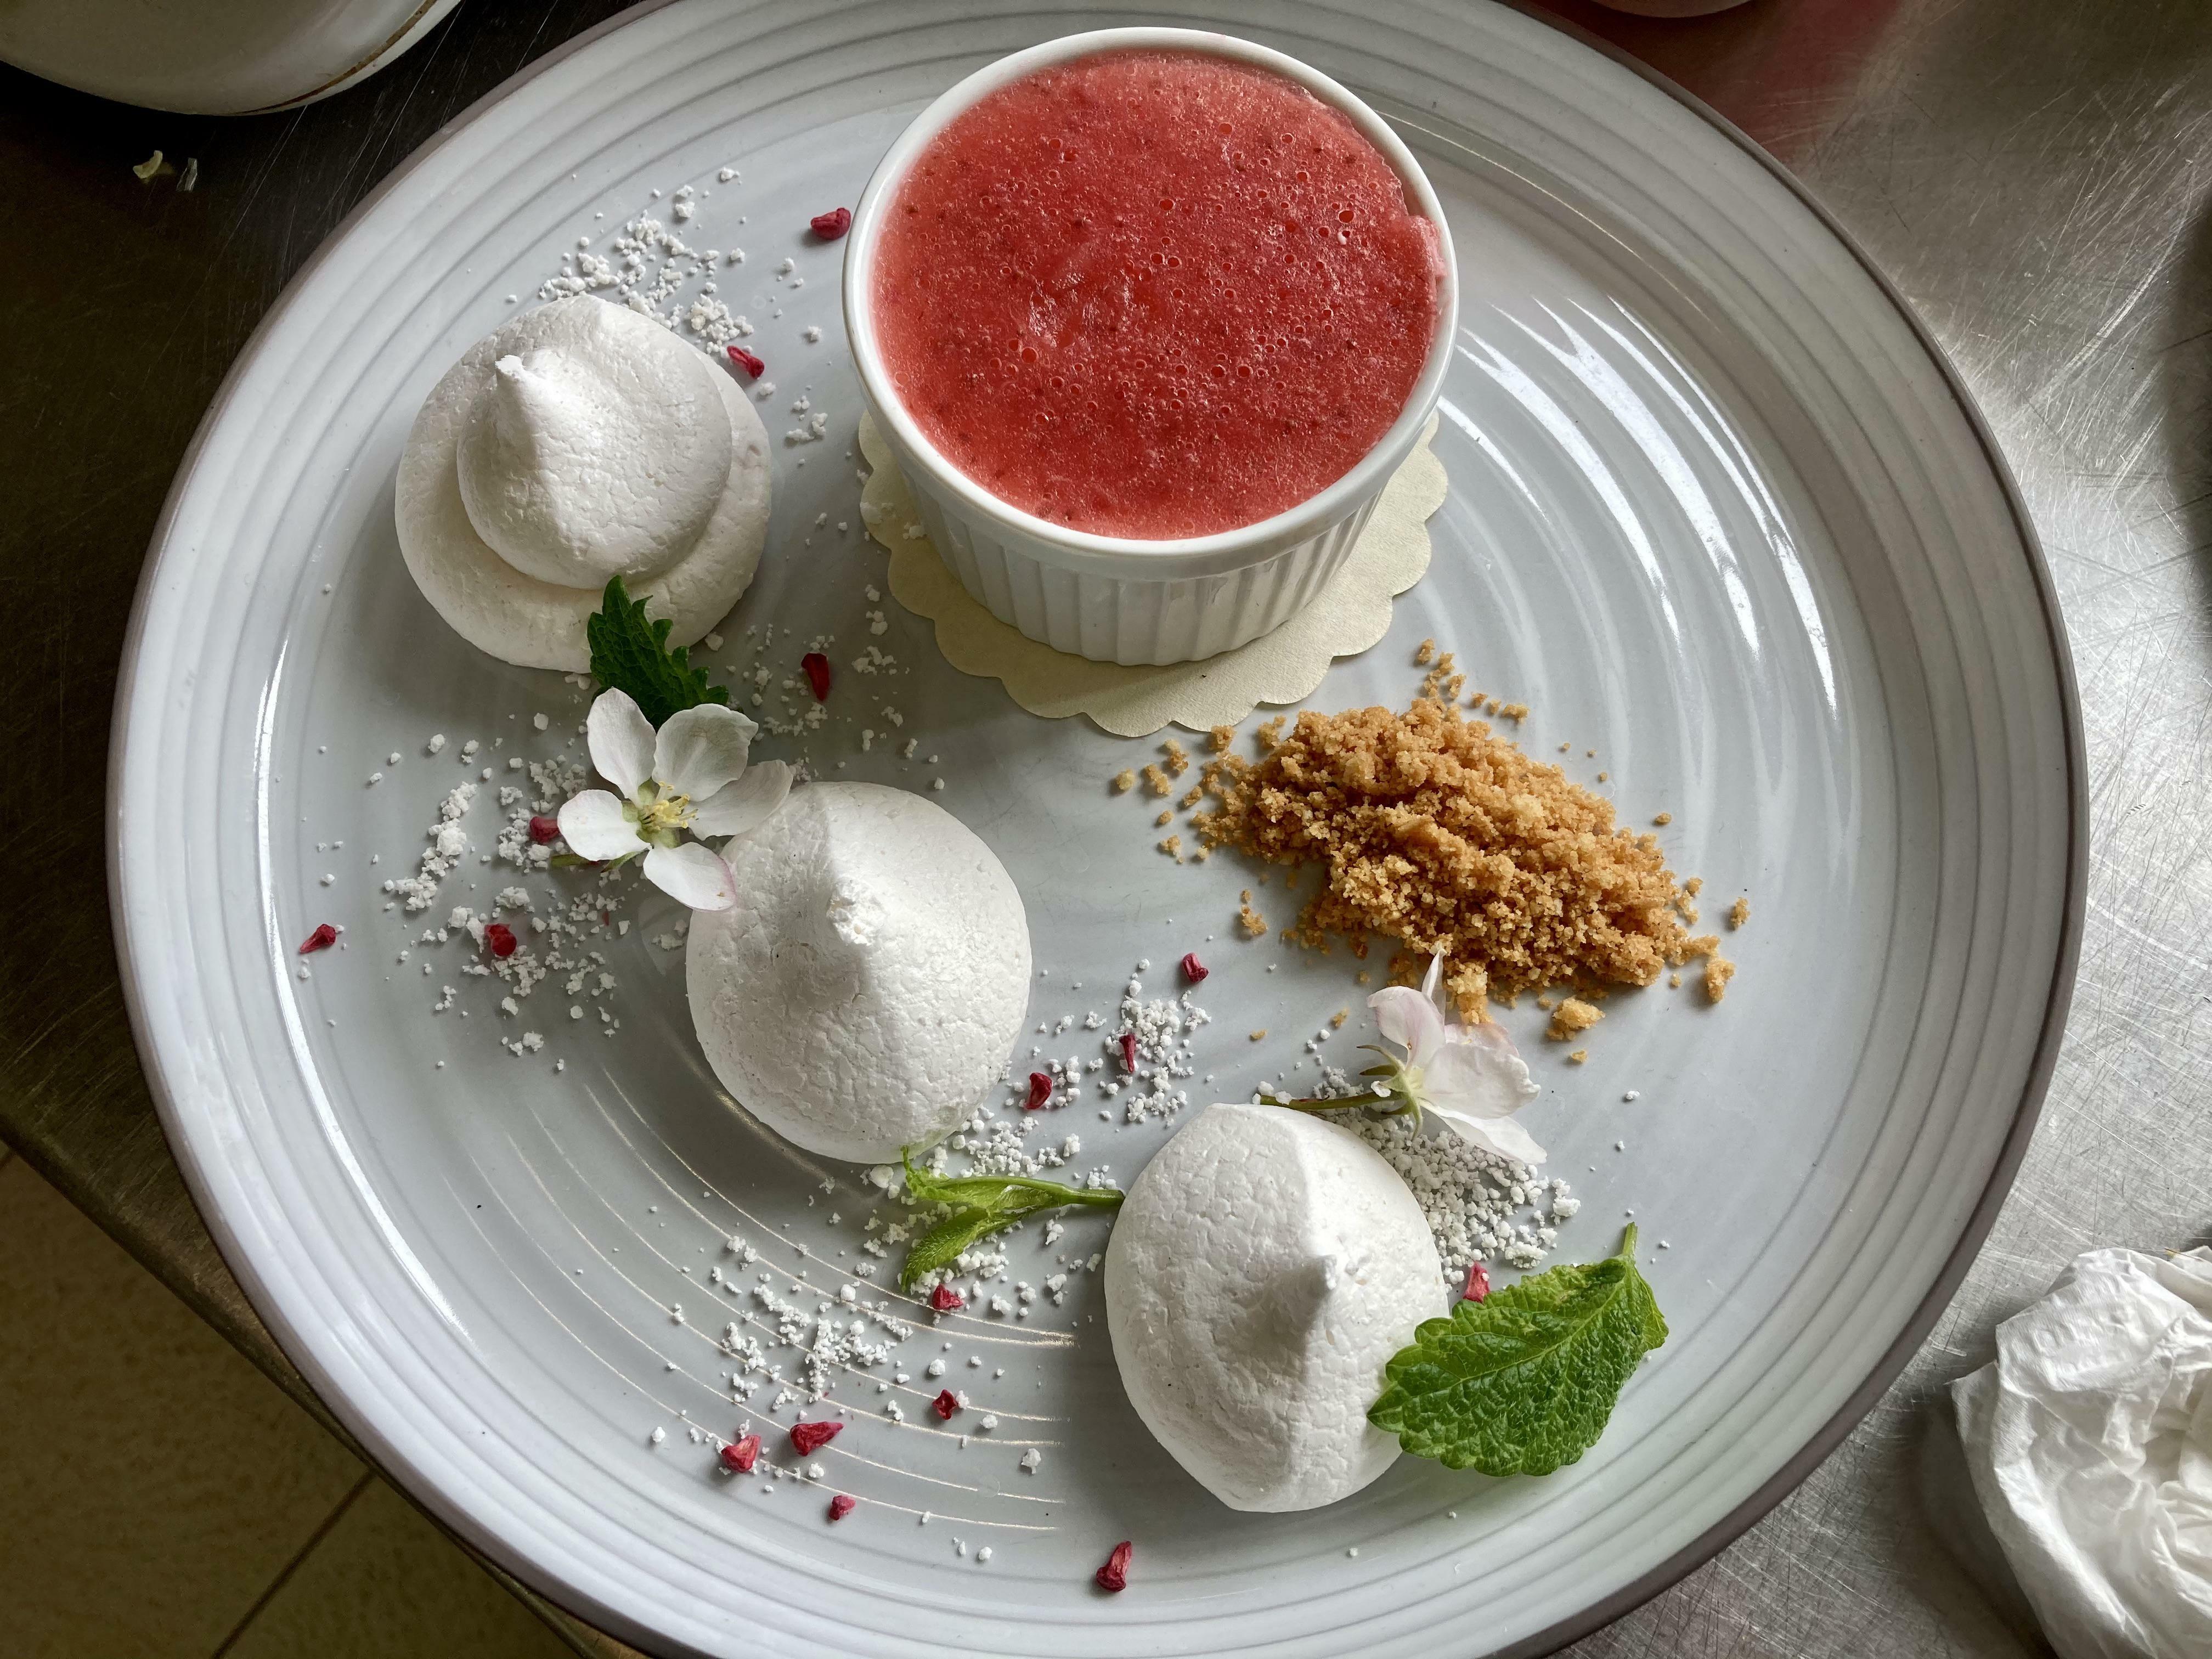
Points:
(1525, 1380)
(631, 653)
(979, 1205)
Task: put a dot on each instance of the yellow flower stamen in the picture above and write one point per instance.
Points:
(661, 819)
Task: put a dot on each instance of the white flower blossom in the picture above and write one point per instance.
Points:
(691, 778)
(1468, 1077)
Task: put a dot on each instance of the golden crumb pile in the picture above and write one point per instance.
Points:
(1740, 912)
(1571, 1019)
(1250, 920)
(1431, 831)
(1719, 970)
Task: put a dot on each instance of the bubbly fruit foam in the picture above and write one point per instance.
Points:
(1154, 294)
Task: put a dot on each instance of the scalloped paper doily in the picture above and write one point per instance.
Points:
(1352, 613)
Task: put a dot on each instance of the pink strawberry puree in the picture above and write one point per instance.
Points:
(1153, 294)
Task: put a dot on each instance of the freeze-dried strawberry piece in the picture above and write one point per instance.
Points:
(1114, 1575)
(739, 1455)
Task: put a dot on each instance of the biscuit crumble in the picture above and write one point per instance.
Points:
(1250, 920)
(1431, 831)
(1719, 970)
(1571, 1019)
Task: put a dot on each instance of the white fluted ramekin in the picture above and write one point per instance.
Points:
(1116, 599)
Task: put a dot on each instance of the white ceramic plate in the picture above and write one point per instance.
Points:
(242, 57)
(1718, 514)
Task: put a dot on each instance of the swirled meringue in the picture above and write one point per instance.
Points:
(578, 442)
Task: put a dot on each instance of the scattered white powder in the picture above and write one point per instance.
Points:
(1163, 1028)
(449, 845)
(1478, 1206)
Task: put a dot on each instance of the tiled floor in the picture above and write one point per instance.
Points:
(160, 1497)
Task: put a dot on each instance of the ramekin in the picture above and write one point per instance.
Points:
(1115, 598)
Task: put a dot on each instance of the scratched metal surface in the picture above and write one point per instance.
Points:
(2034, 180)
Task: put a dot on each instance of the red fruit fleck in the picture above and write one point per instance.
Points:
(499, 938)
(944, 1299)
(842, 1505)
(1114, 1575)
(833, 224)
(744, 359)
(1128, 1041)
(1477, 1283)
(544, 830)
(739, 1455)
(810, 1438)
(322, 939)
(1192, 968)
(945, 1404)
(818, 674)
(1040, 1091)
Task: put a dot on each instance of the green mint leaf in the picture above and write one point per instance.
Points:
(941, 1246)
(1523, 1382)
(629, 653)
(980, 1206)
(991, 1192)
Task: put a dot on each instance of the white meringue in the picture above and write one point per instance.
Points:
(578, 442)
(864, 993)
(1264, 1267)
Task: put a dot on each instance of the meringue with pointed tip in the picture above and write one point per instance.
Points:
(578, 442)
(689, 779)
(1261, 1273)
(1264, 1267)
(864, 995)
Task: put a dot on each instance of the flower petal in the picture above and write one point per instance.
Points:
(1409, 1019)
(1500, 1135)
(700, 749)
(739, 808)
(593, 826)
(621, 740)
(1430, 980)
(693, 875)
(1477, 1071)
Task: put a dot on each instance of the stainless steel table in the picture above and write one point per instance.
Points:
(2034, 178)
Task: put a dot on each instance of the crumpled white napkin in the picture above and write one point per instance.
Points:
(2090, 1441)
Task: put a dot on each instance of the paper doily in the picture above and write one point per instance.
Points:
(1352, 613)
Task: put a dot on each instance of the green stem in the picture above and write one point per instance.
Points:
(1340, 1103)
(1103, 1197)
